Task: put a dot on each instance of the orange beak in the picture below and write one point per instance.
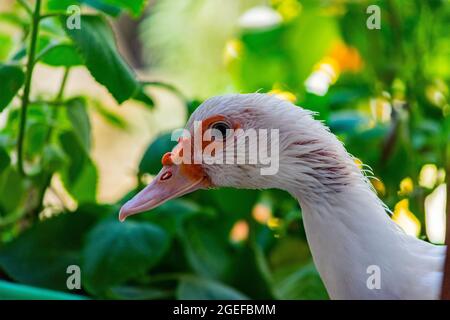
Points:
(171, 182)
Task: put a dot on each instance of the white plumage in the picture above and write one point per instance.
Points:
(347, 226)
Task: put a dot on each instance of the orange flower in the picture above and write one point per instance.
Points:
(348, 58)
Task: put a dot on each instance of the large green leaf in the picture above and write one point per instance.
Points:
(151, 161)
(191, 288)
(116, 252)
(96, 44)
(11, 80)
(40, 256)
(79, 118)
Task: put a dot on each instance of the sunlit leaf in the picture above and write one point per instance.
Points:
(6, 45)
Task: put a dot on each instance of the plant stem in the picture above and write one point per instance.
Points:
(54, 116)
(26, 6)
(26, 90)
(57, 101)
(445, 292)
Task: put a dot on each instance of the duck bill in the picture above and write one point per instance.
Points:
(171, 182)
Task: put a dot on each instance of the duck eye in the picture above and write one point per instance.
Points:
(222, 127)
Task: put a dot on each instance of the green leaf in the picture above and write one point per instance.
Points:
(35, 138)
(234, 202)
(135, 7)
(12, 189)
(143, 97)
(103, 6)
(250, 273)
(116, 252)
(6, 44)
(206, 246)
(112, 118)
(346, 121)
(303, 283)
(62, 5)
(192, 105)
(40, 256)
(171, 215)
(191, 288)
(139, 293)
(63, 54)
(80, 176)
(151, 161)
(11, 80)
(53, 158)
(4, 160)
(79, 118)
(96, 44)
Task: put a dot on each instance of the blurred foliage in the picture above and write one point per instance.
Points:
(385, 93)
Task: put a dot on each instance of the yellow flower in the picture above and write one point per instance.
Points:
(273, 223)
(288, 9)
(406, 186)
(381, 109)
(232, 51)
(285, 95)
(379, 186)
(406, 219)
(330, 66)
(358, 162)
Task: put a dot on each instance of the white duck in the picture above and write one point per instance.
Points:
(346, 224)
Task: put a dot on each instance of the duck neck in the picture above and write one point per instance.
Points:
(359, 251)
